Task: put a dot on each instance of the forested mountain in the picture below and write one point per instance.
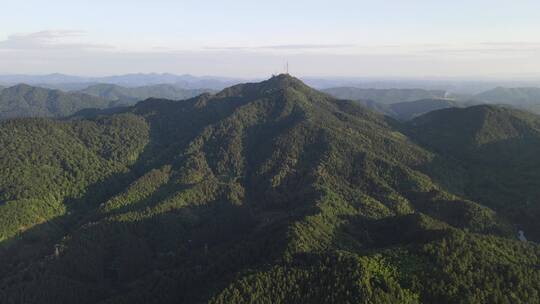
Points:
(411, 109)
(527, 98)
(500, 149)
(266, 192)
(123, 95)
(27, 101)
(384, 96)
(511, 96)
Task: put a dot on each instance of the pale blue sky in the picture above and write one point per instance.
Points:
(410, 38)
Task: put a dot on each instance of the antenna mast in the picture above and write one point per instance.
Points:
(287, 68)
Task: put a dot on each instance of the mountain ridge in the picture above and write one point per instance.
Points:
(384, 96)
(128, 96)
(62, 81)
(251, 194)
(501, 144)
(27, 101)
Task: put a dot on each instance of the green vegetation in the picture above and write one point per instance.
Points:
(527, 99)
(128, 96)
(409, 110)
(266, 192)
(499, 150)
(26, 101)
(335, 278)
(43, 163)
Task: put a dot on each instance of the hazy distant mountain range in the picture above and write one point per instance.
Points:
(105, 92)
(530, 95)
(68, 82)
(412, 109)
(384, 96)
(456, 86)
(271, 192)
(526, 98)
(186, 81)
(126, 95)
(404, 104)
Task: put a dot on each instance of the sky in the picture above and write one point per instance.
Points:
(239, 38)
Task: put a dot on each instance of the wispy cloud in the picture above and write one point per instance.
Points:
(52, 39)
(426, 49)
(513, 44)
(283, 47)
(485, 48)
(75, 52)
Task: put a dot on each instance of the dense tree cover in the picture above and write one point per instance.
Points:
(400, 104)
(498, 149)
(43, 163)
(469, 268)
(334, 278)
(266, 192)
(27, 101)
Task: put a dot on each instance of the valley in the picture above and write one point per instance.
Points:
(270, 192)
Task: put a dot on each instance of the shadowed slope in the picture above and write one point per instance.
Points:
(239, 196)
(500, 149)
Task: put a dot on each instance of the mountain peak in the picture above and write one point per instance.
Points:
(285, 80)
(270, 185)
(276, 83)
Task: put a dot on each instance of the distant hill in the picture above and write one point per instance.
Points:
(384, 96)
(411, 109)
(268, 192)
(511, 96)
(526, 98)
(55, 78)
(68, 82)
(465, 132)
(376, 107)
(66, 87)
(181, 81)
(123, 95)
(408, 110)
(28, 101)
(499, 147)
